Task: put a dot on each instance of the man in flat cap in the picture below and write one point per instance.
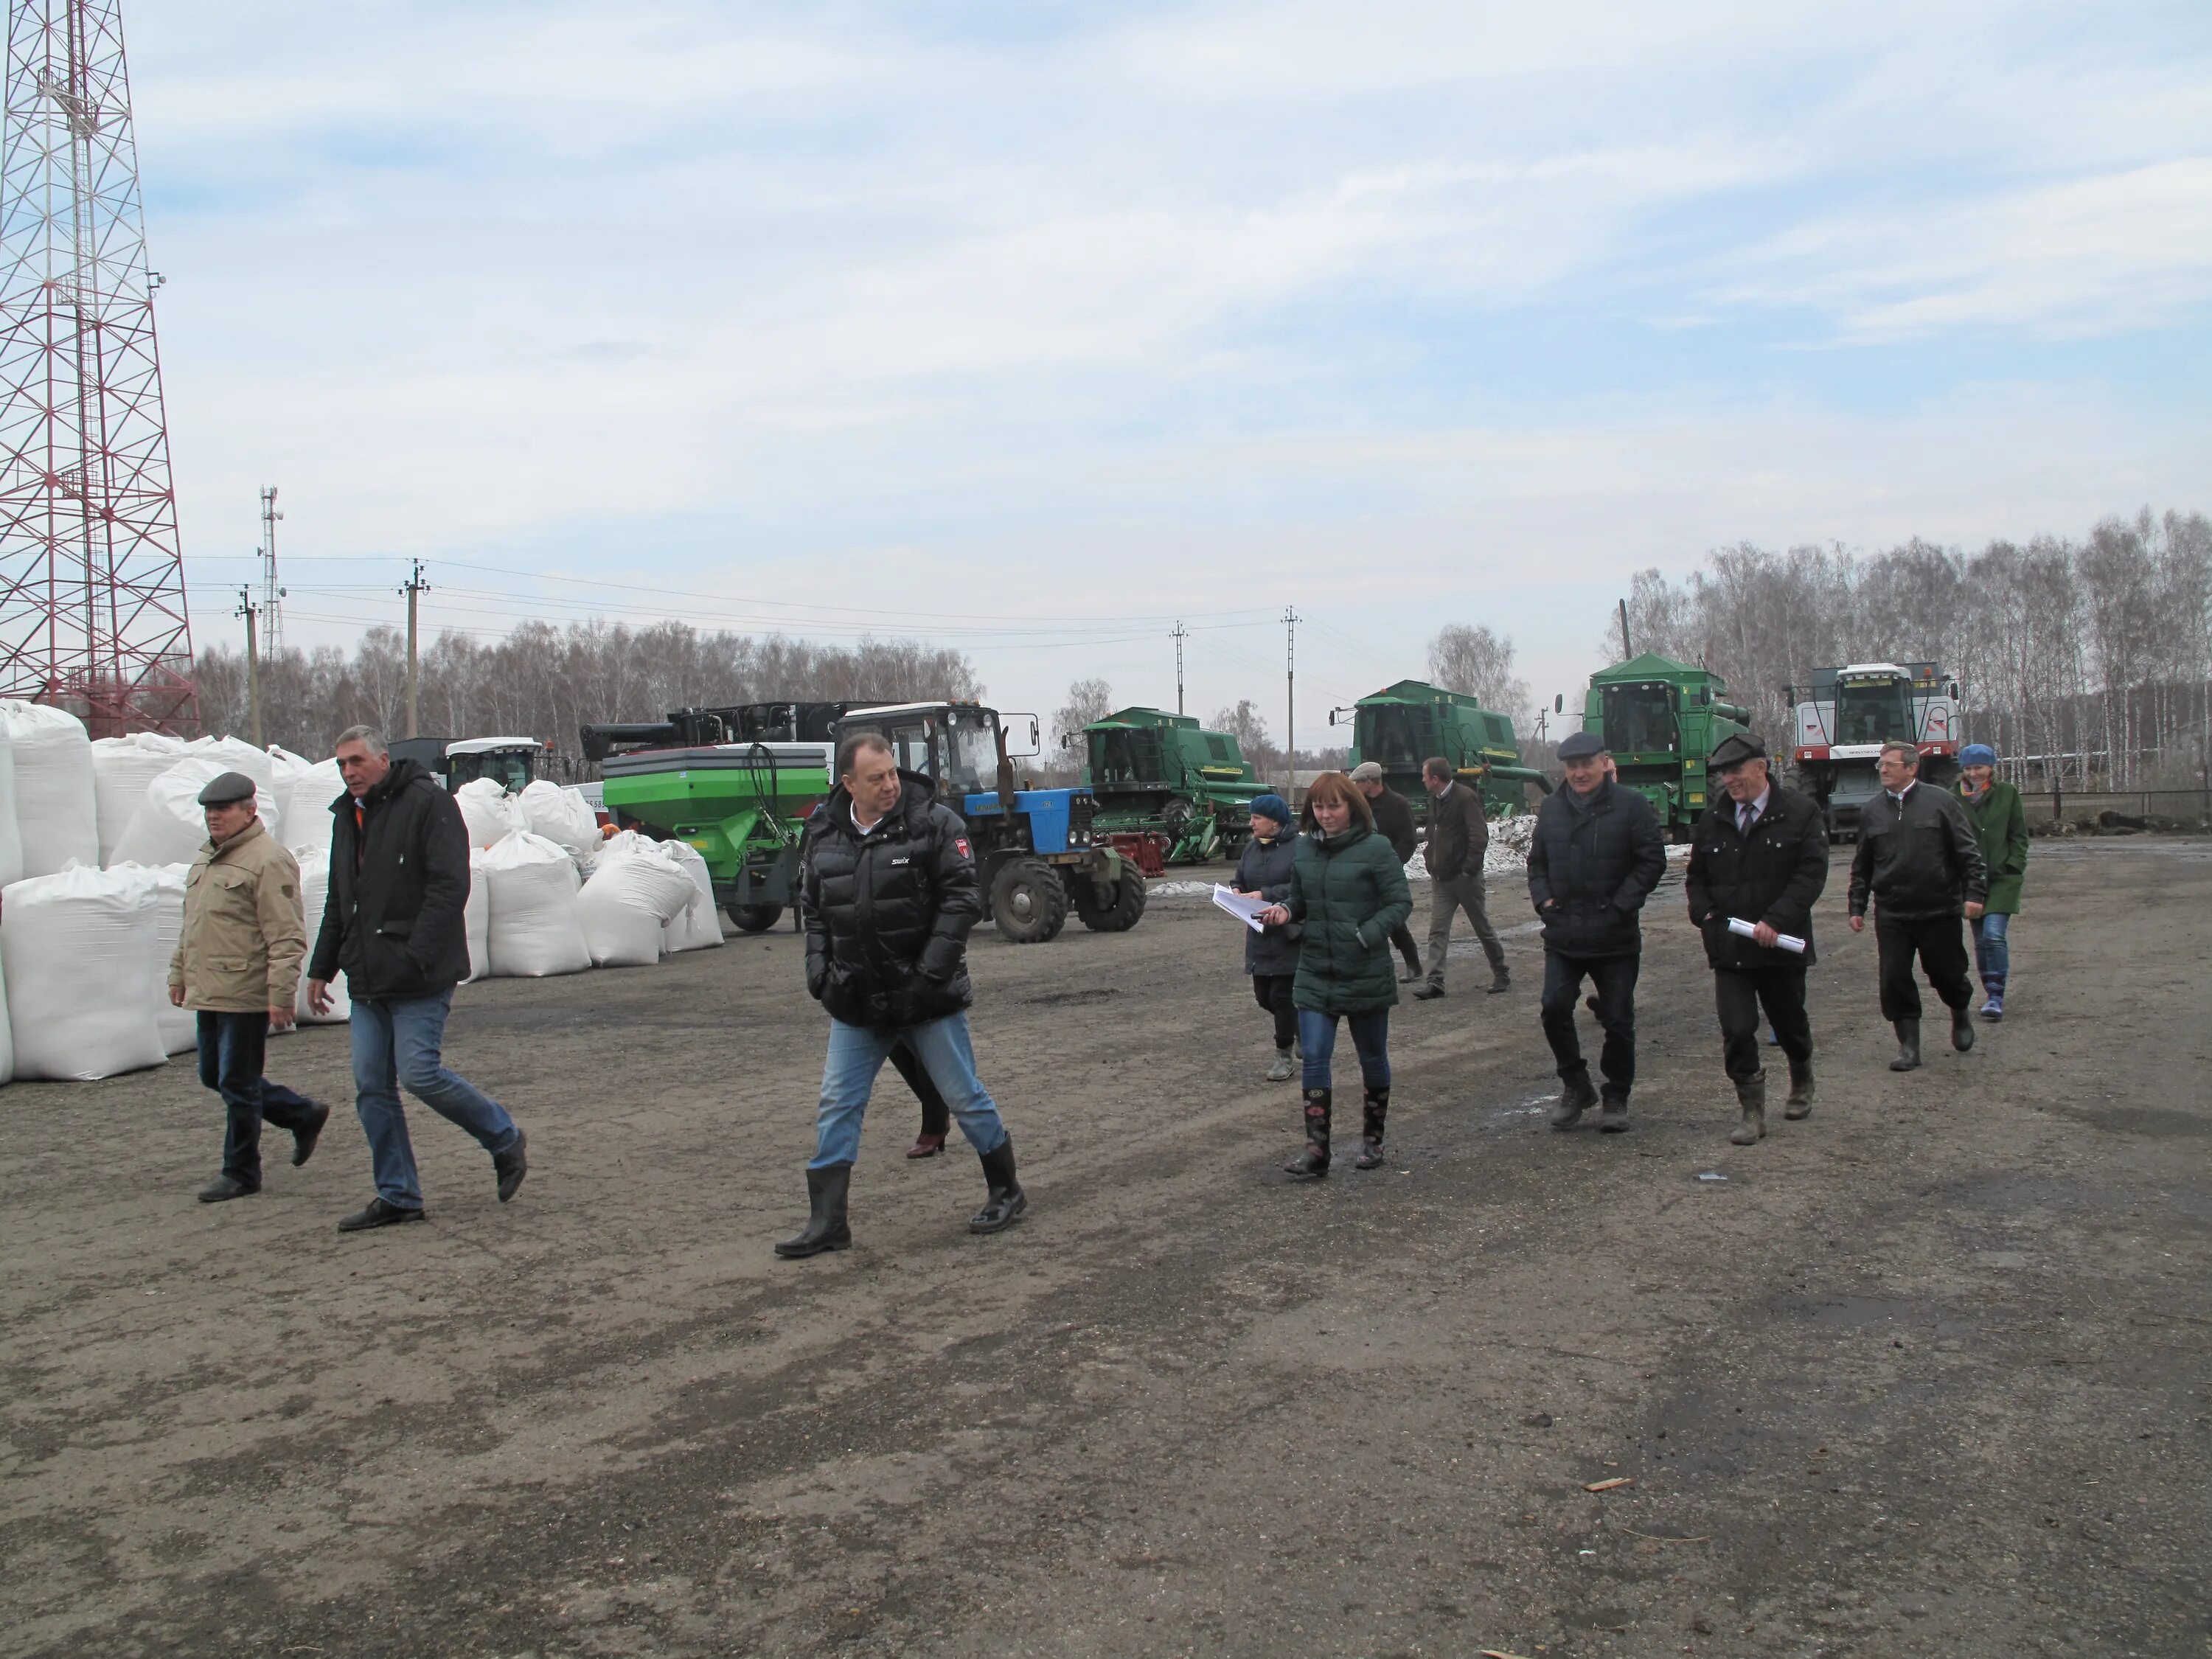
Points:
(1596, 855)
(1393, 822)
(1759, 860)
(237, 965)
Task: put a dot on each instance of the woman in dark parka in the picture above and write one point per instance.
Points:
(1348, 890)
(2000, 820)
(1271, 954)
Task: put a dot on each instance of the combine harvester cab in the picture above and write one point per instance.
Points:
(1845, 715)
(1162, 777)
(1402, 725)
(1038, 852)
(1662, 719)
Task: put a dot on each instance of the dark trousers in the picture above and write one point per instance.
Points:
(1273, 992)
(1402, 941)
(1613, 980)
(234, 1048)
(936, 1116)
(1738, 995)
(1939, 942)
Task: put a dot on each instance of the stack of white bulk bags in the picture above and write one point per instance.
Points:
(488, 810)
(180, 1028)
(634, 893)
(305, 811)
(700, 927)
(535, 931)
(55, 806)
(170, 826)
(314, 893)
(562, 816)
(11, 836)
(236, 755)
(81, 955)
(477, 917)
(121, 769)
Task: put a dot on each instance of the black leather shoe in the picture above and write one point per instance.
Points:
(377, 1213)
(1575, 1097)
(1428, 994)
(511, 1165)
(1004, 1200)
(825, 1227)
(303, 1140)
(226, 1187)
(1613, 1115)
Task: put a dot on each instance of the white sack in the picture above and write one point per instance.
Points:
(700, 927)
(559, 815)
(171, 826)
(630, 898)
(304, 811)
(7, 1039)
(476, 918)
(314, 893)
(488, 810)
(535, 931)
(81, 955)
(11, 836)
(121, 769)
(180, 1027)
(237, 756)
(55, 808)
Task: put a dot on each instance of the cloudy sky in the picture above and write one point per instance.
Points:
(1033, 327)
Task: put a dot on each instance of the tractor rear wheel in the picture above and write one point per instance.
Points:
(755, 918)
(1120, 916)
(1028, 902)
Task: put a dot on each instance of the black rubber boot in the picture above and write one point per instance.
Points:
(1751, 1097)
(1962, 1030)
(1800, 1104)
(1575, 1097)
(511, 1165)
(1314, 1161)
(1375, 1111)
(825, 1227)
(1908, 1046)
(1004, 1200)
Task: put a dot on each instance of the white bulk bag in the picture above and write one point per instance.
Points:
(121, 769)
(700, 927)
(180, 1027)
(534, 927)
(54, 802)
(7, 1040)
(562, 816)
(171, 826)
(236, 755)
(488, 811)
(476, 918)
(314, 893)
(82, 954)
(11, 836)
(630, 898)
(305, 811)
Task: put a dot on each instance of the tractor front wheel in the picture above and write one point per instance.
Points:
(755, 918)
(1028, 902)
(1120, 916)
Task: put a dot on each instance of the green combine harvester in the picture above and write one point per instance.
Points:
(1402, 725)
(1154, 773)
(1662, 719)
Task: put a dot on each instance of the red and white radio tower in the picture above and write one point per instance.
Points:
(91, 578)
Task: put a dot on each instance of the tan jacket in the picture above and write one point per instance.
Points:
(246, 934)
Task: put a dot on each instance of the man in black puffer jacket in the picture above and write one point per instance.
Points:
(887, 895)
(395, 923)
(1596, 856)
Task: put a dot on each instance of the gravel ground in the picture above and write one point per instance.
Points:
(1925, 1374)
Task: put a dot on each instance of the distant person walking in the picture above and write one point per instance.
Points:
(395, 923)
(1459, 843)
(1920, 862)
(2000, 821)
(1271, 954)
(1594, 858)
(1393, 822)
(1760, 857)
(1348, 890)
(237, 966)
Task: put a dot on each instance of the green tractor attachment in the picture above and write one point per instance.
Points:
(1662, 719)
(1402, 725)
(1154, 773)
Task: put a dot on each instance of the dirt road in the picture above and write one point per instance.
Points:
(1925, 1374)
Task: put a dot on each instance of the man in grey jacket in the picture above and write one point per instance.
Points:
(1459, 841)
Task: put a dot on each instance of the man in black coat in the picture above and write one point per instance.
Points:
(1596, 856)
(1393, 822)
(887, 895)
(1760, 859)
(1920, 860)
(395, 924)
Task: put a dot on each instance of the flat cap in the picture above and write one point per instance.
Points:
(1367, 772)
(1736, 748)
(225, 787)
(1580, 745)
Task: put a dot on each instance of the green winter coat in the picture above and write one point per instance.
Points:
(2000, 821)
(1350, 891)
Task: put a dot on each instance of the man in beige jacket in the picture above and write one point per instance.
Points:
(238, 965)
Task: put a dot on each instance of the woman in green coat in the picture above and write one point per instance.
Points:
(1349, 890)
(2001, 823)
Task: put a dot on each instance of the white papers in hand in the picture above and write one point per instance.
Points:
(1789, 942)
(1246, 910)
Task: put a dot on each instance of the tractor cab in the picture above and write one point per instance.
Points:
(959, 747)
(511, 762)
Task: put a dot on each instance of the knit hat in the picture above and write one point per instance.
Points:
(1271, 806)
(1978, 754)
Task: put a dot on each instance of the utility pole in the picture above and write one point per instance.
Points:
(248, 610)
(272, 609)
(1181, 634)
(1291, 696)
(412, 589)
(1627, 651)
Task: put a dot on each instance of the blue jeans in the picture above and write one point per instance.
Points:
(1993, 951)
(234, 1048)
(1371, 1041)
(857, 1053)
(395, 1045)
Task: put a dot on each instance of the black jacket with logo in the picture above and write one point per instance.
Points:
(1919, 861)
(396, 920)
(888, 915)
(1773, 876)
(1599, 858)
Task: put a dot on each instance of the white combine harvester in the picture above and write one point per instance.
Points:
(1847, 713)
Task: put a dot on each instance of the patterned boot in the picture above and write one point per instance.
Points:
(1372, 1115)
(1314, 1161)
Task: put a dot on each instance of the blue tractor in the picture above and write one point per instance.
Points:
(1036, 850)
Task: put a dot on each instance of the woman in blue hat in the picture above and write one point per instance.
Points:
(2000, 823)
(1271, 956)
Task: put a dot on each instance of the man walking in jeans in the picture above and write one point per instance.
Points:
(399, 886)
(888, 896)
(1459, 841)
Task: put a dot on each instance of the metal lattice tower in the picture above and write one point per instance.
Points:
(272, 594)
(92, 580)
